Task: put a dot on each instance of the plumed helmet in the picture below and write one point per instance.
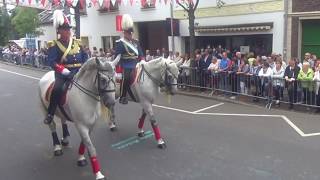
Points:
(60, 20)
(127, 23)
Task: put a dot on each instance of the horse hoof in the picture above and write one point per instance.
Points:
(102, 178)
(64, 142)
(113, 129)
(141, 134)
(162, 146)
(82, 163)
(58, 153)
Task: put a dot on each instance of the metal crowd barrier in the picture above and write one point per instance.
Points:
(274, 91)
(38, 61)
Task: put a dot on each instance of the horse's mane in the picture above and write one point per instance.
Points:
(92, 64)
(89, 64)
(154, 63)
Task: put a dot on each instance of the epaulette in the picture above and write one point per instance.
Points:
(118, 40)
(78, 41)
(51, 43)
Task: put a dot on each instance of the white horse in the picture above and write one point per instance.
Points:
(92, 88)
(151, 76)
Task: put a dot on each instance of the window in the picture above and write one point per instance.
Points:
(109, 42)
(113, 8)
(149, 4)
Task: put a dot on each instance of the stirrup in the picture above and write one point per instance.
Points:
(48, 120)
(123, 100)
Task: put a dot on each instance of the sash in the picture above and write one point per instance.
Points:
(63, 49)
(130, 46)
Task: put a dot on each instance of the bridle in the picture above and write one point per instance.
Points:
(101, 89)
(166, 82)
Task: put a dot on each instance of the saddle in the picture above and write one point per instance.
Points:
(132, 95)
(119, 71)
(63, 98)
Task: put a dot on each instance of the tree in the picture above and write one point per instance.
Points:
(190, 7)
(4, 27)
(26, 21)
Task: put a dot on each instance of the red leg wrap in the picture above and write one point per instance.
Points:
(82, 149)
(95, 164)
(156, 131)
(141, 122)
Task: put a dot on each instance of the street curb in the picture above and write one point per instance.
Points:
(23, 66)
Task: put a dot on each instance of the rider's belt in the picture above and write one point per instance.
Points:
(129, 57)
(72, 65)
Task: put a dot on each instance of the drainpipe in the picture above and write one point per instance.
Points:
(172, 34)
(285, 29)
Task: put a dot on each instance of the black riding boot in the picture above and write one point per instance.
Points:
(125, 86)
(55, 98)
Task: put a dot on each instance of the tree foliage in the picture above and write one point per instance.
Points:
(26, 21)
(4, 27)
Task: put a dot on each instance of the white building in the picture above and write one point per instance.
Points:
(258, 24)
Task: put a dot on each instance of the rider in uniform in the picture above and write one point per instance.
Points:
(65, 56)
(130, 53)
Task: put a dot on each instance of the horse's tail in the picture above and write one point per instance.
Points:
(41, 102)
(105, 113)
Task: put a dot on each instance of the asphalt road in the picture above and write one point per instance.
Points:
(225, 142)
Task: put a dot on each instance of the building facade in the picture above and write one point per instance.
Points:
(256, 24)
(303, 28)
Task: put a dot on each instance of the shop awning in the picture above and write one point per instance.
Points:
(235, 28)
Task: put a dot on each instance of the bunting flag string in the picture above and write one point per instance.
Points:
(82, 4)
(107, 4)
(131, 2)
(143, 3)
(113, 2)
(94, 2)
(100, 3)
(74, 3)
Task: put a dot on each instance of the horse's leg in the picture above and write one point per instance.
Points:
(112, 122)
(65, 133)
(82, 160)
(154, 124)
(141, 123)
(56, 143)
(85, 136)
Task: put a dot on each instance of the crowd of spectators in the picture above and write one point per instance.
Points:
(22, 56)
(237, 73)
(230, 72)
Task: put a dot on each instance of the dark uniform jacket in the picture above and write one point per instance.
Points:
(130, 53)
(74, 59)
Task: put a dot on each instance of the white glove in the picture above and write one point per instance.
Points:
(65, 72)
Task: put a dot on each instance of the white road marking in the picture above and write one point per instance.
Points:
(23, 75)
(213, 106)
(245, 115)
(299, 131)
(173, 109)
(288, 121)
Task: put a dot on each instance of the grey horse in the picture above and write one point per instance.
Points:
(91, 90)
(152, 76)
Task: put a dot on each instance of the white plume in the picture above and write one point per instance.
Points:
(127, 22)
(58, 18)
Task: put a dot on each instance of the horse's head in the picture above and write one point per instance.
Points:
(105, 82)
(169, 75)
